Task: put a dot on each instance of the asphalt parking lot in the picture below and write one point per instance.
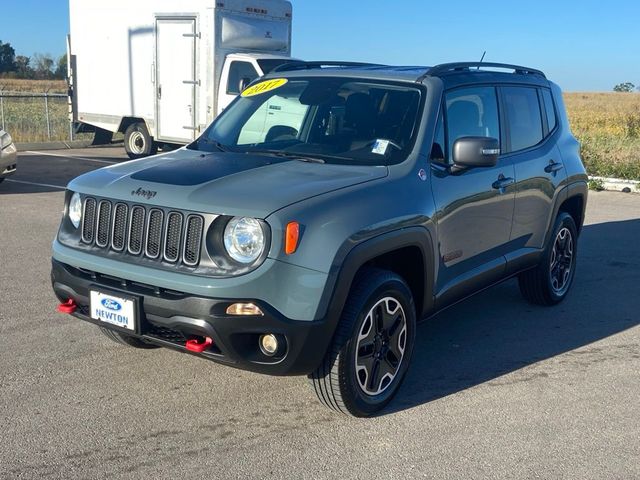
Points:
(497, 388)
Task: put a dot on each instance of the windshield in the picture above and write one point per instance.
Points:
(335, 120)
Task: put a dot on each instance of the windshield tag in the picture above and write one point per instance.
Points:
(380, 147)
(264, 87)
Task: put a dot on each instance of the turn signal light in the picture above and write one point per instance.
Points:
(248, 309)
(292, 236)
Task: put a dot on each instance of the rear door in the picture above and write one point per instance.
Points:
(531, 124)
(176, 79)
(474, 205)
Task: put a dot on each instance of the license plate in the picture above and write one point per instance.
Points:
(113, 310)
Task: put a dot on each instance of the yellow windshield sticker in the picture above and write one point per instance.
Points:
(264, 87)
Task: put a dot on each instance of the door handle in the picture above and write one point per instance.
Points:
(159, 92)
(502, 183)
(553, 167)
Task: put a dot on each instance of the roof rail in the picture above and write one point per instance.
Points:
(459, 67)
(301, 65)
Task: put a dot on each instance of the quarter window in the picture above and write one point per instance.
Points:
(471, 112)
(549, 108)
(437, 149)
(523, 117)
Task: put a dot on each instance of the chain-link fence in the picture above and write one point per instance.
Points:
(35, 117)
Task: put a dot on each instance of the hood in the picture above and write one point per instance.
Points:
(221, 183)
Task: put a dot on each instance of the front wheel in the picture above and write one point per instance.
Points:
(138, 142)
(550, 281)
(372, 346)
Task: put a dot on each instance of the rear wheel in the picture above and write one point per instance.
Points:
(124, 339)
(138, 142)
(550, 281)
(372, 346)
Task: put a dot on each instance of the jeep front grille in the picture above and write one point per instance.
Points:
(89, 220)
(119, 226)
(174, 236)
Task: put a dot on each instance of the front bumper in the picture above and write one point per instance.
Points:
(169, 318)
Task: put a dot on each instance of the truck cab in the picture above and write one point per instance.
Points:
(161, 75)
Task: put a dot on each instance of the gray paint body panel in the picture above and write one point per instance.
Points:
(232, 190)
(344, 208)
(299, 300)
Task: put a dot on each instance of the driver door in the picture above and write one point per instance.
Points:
(474, 205)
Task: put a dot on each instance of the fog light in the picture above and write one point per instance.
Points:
(248, 309)
(269, 344)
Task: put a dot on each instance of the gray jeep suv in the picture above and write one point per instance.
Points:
(324, 213)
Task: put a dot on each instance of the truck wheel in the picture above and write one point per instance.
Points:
(370, 352)
(137, 141)
(124, 339)
(550, 281)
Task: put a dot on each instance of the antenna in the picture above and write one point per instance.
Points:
(482, 58)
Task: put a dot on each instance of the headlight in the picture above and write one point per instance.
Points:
(244, 239)
(75, 210)
(5, 140)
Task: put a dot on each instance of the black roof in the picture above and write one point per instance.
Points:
(451, 73)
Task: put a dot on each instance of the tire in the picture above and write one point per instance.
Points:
(1, 180)
(550, 281)
(137, 141)
(124, 339)
(348, 380)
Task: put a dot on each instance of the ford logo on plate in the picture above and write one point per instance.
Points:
(111, 304)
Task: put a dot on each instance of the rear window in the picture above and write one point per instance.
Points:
(523, 117)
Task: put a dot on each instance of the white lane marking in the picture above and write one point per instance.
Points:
(69, 157)
(37, 184)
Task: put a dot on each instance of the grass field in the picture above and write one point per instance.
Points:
(608, 127)
(607, 124)
(25, 118)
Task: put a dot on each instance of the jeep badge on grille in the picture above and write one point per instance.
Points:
(140, 192)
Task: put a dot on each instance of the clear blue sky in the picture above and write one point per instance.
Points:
(586, 45)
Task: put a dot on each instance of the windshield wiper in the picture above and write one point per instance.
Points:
(289, 155)
(217, 144)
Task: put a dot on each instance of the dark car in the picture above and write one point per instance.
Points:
(324, 213)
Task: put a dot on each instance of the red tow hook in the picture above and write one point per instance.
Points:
(195, 345)
(68, 307)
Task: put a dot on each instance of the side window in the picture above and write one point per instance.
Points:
(549, 108)
(471, 112)
(238, 71)
(523, 116)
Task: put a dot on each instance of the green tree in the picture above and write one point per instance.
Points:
(7, 58)
(23, 70)
(61, 68)
(43, 66)
(624, 87)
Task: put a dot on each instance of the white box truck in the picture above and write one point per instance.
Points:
(160, 71)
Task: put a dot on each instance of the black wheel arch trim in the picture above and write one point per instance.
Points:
(350, 259)
(573, 190)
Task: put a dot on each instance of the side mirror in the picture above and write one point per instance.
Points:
(476, 152)
(244, 83)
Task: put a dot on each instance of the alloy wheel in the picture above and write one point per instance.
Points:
(561, 264)
(380, 346)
